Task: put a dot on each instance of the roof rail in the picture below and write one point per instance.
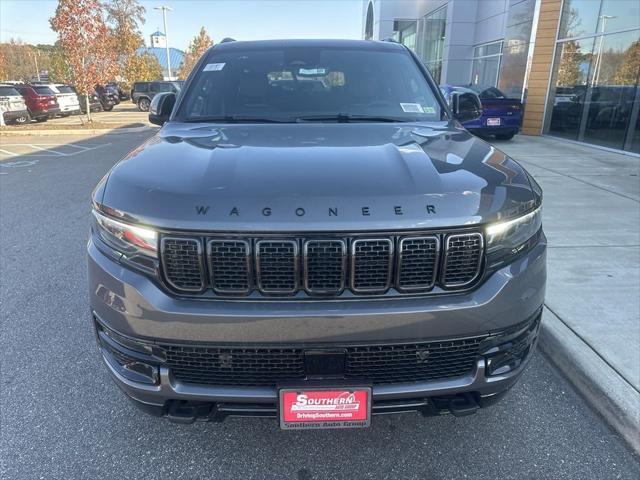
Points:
(227, 40)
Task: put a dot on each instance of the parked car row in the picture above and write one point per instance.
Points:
(23, 102)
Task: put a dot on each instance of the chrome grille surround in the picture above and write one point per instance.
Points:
(331, 265)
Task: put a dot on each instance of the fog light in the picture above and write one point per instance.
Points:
(141, 372)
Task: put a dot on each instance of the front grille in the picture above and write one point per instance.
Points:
(277, 265)
(325, 266)
(462, 259)
(418, 263)
(229, 264)
(379, 364)
(182, 262)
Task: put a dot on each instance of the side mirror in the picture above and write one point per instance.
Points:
(465, 106)
(161, 107)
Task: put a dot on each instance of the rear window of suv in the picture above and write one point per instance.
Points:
(64, 89)
(291, 82)
(43, 90)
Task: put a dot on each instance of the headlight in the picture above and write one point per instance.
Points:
(130, 240)
(509, 238)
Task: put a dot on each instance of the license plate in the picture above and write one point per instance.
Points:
(493, 122)
(326, 407)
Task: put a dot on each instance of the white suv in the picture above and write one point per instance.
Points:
(67, 98)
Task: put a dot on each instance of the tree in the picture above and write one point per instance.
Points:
(200, 44)
(569, 72)
(143, 68)
(629, 69)
(19, 60)
(84, 39)
(124, 17)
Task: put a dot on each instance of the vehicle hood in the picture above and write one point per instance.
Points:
(315, 176)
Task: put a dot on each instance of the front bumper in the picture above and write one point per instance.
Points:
(132, 305)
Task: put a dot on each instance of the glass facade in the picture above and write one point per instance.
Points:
(594, 95)
(486, 64)
(433, 27)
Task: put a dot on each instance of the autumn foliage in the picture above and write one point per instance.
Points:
(84, 39)
(197, 47)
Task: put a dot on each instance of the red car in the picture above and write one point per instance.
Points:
(41, 101)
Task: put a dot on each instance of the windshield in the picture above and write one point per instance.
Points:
(293, 84)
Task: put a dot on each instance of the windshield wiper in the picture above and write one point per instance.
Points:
(236, 119)
(346, 118)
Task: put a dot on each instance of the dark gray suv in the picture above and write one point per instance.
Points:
(313, 236)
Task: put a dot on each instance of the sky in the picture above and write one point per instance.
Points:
(28, 20)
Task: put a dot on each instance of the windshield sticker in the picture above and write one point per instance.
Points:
(213, 67)
(430, 110)
(411, 108)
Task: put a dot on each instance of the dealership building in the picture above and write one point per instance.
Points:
(574, 63)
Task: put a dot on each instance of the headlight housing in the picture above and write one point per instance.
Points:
(506, 240)
(129, 240)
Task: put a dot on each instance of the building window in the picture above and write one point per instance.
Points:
(406, 32)
(595, 94)
(433, 27)
(486, 64)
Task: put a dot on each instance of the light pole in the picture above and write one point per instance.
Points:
(596, 73)
(164, 9)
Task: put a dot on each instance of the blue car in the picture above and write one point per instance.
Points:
(501, 116)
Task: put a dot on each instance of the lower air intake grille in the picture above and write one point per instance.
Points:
(463, 256)
(379, 364)
(182, 263)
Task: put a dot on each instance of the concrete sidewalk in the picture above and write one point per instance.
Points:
(591, 324)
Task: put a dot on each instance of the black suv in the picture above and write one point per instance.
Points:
(143, 92)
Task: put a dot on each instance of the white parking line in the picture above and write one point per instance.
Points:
(11, 150)
(37, 147)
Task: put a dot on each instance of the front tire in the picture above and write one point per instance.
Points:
(143, 104)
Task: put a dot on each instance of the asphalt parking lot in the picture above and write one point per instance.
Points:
(61, 417)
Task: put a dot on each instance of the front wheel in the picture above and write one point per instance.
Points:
(505, 136)
(143, 104)
(107, 108)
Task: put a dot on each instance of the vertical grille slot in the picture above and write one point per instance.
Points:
(462, 260)
(182, 263)
(230, 266)
(277, 266)
(324, 266)
(417, 263)
(371, 265)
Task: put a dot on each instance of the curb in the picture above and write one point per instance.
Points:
(95, 131)
(602, 387)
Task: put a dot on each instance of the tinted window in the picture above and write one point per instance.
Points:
(141, 87)
(64, 89)
(487, 93)
(290, 82)
(43, 90)
(8, 91)
(164, 87)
